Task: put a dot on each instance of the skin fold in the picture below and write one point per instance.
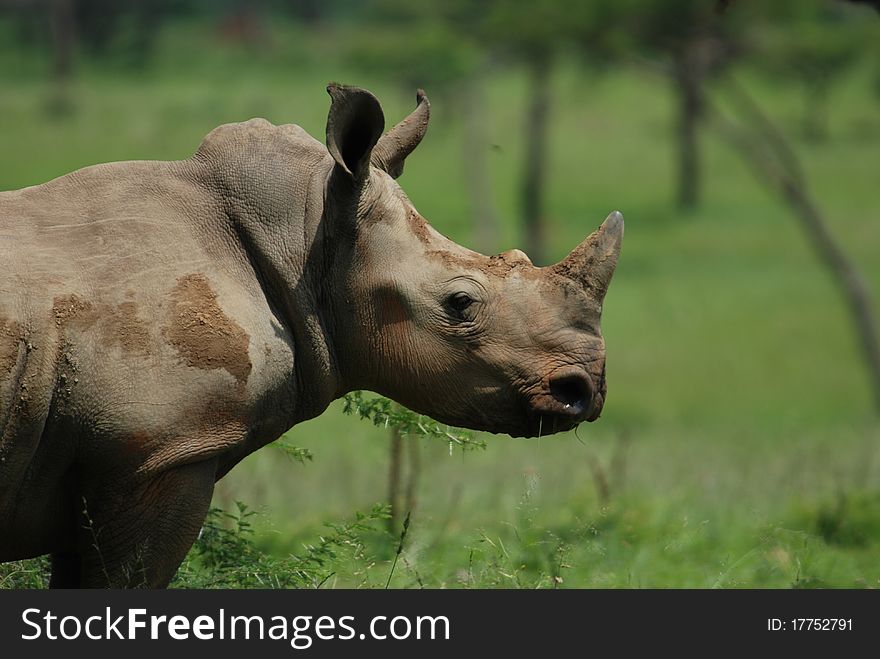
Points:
(159, 321)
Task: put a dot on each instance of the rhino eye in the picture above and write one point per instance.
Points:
(458, 304)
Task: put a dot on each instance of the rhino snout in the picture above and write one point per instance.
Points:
(570, 398)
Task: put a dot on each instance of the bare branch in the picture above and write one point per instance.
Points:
(775, 164)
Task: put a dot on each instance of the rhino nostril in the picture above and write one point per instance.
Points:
(572, 390)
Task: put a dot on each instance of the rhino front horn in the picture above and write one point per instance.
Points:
(592, 262)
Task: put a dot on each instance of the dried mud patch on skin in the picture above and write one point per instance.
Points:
(204, 336)
(123, 327)
(67, 308)
(499, 265)
(119, 325)
(10, 344)
(419, 226)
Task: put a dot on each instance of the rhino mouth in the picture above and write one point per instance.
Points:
(564, 400)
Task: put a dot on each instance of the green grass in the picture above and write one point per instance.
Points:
(736, 385)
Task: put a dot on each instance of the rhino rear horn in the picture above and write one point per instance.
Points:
(354, 124)
(592, 262)
(393, 148)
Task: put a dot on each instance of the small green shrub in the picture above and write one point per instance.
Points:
(226, 555)
(852, 520)
(384, 412)
(32, 573)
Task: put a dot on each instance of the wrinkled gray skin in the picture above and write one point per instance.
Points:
(159, 321)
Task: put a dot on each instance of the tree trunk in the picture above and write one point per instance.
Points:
(815, 122)
(62, 24)
(394, 475)
(540, 67)
(846, 275)
(688, 83)
(475, 148)
(413, 449)
(402, 501)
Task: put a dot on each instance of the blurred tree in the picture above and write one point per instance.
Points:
(118, 32)
(873, 3)
(63, 29)
(814, 45)
(775, 164)
(532, 34)
(536, 36)
(244, 23)
(540, 69)
(122, 31)
(310, 12)
(695, 42)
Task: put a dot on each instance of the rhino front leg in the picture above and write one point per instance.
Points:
(138, 538)
(65, 569)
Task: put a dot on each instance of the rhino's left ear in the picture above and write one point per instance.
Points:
(354, 125)
(400, 141)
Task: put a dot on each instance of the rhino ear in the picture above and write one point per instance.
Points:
(393, 148)
(354, 125)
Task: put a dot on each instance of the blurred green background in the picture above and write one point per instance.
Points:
(739, 442)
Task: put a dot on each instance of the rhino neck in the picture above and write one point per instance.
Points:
(270, 182)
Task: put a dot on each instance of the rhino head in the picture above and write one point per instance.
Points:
(485, 342)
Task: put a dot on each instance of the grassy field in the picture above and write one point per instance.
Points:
(738, 446)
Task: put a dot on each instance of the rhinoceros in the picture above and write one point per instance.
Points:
(159, 321)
